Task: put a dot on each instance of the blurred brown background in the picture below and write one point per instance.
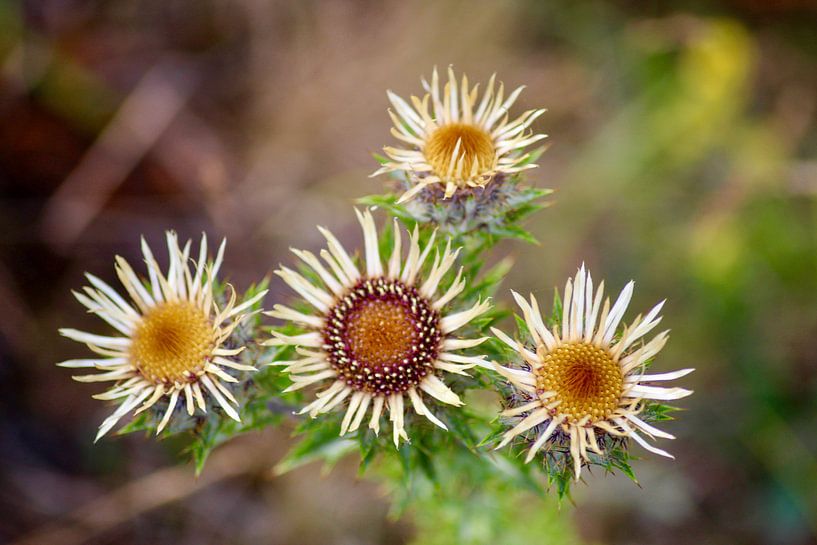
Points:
(683, 144)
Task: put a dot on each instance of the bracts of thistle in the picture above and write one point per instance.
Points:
(382, 336)
(582, 388)
(177, 347)
(464, 156)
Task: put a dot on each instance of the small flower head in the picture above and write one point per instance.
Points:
(585, 382)
(378, 334)
(455, 141)
(171, 339)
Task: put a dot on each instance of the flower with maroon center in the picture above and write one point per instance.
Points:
(173, 336)
(584, 380)
(378, 335)
(455, 143)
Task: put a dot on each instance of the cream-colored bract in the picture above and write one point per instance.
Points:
(349, 295)
(171, 335)
(455, 142)
(583, 378)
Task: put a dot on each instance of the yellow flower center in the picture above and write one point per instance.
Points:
(172, 341)
(585, 378)
(476, 147)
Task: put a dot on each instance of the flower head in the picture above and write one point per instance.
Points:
(171, 338)
(585, 381)
(378, 334)
(456, 143)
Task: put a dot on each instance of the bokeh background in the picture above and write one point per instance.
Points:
(683, 154)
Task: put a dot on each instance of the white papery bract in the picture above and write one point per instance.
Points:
(586, 377)
(456, 142)
(379, 333)
(171, 336)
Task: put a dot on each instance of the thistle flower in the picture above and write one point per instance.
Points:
(455, 142)
(378, 334)
(173, 338)
(583, 381)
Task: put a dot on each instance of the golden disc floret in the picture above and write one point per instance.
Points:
(586, 380)
(472, 146)
(172, 342)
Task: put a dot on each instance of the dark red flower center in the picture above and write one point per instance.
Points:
(382, 337)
